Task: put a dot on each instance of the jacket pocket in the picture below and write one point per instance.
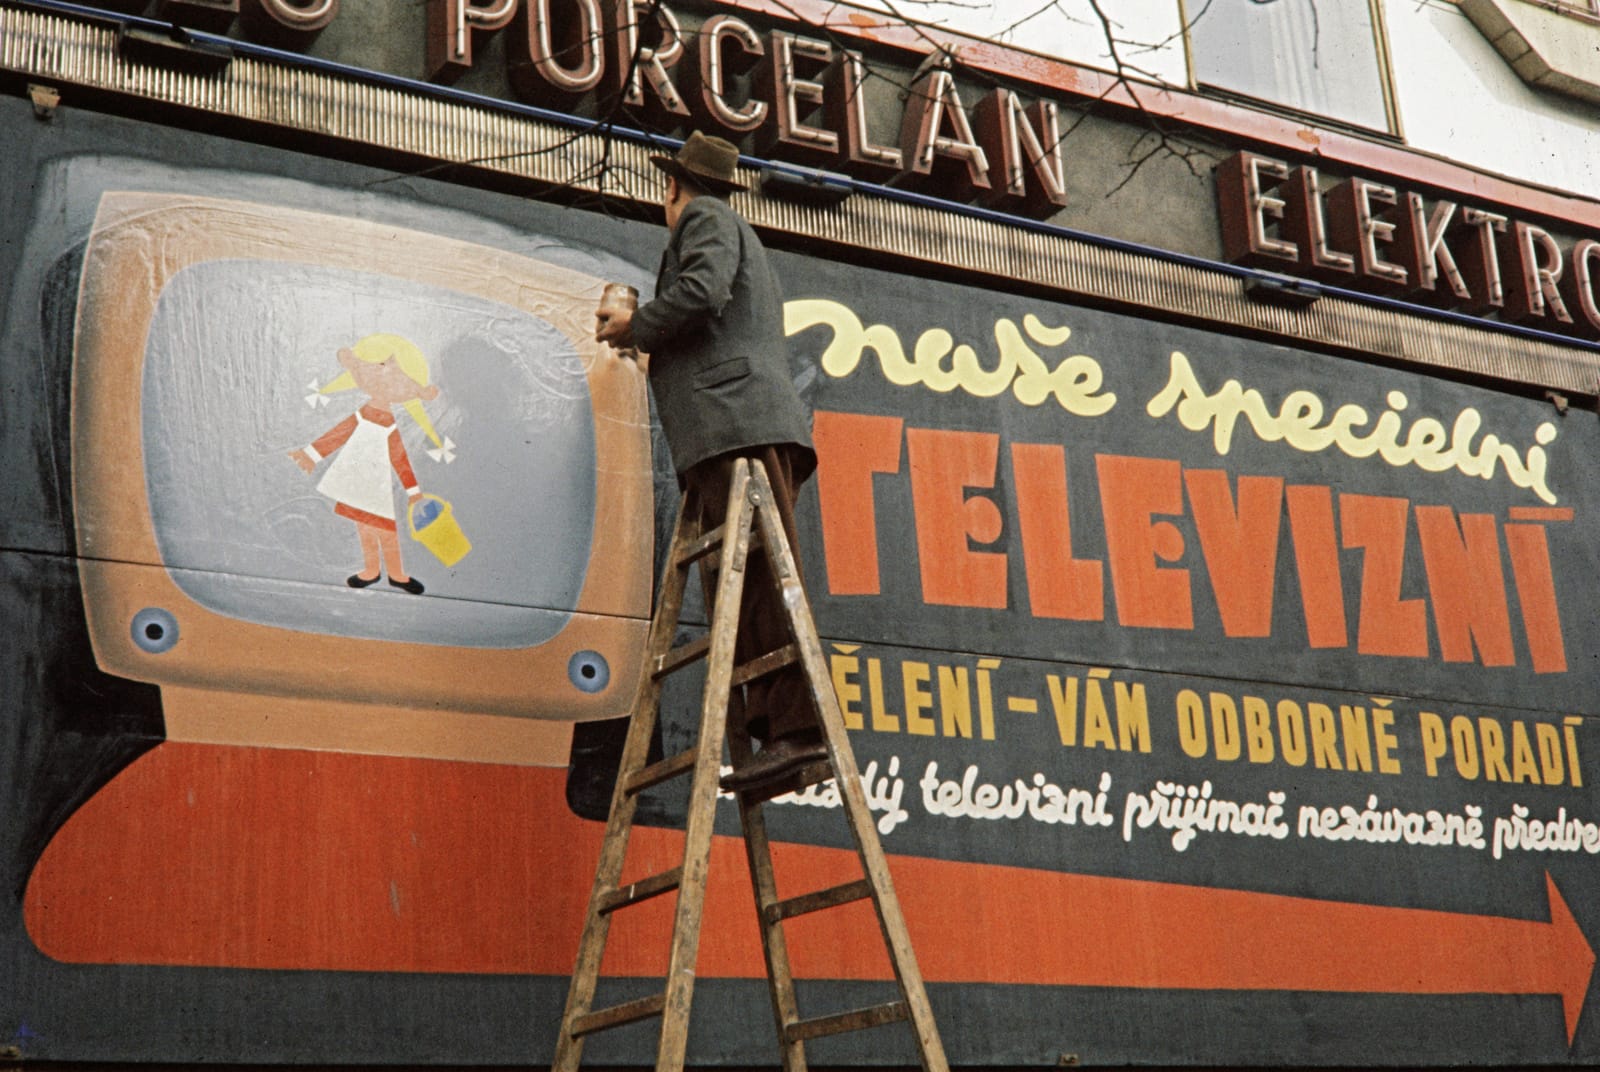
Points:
(722, 372)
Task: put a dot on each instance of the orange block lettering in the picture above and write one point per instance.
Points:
(1467, 585)
(1132, 492)
(1059, 585)
(851, 448)
(943, 466)
(1388, 624)
(1240, 546)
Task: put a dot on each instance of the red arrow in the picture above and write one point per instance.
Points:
(458, 867)
(1014, 925)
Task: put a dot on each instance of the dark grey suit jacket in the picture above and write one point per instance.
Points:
(719, 366)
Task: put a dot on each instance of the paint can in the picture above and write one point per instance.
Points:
(615, 298)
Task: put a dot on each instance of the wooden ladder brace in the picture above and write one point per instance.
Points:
(750, 510)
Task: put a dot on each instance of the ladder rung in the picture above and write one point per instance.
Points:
(680, 657)
(838, 1023)
(700, 548)
(859, 890)
(643, 890)
(665, 770)
(617, 1015)
(765, 664)
(793, 782)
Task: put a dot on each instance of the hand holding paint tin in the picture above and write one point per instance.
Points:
(614, 318)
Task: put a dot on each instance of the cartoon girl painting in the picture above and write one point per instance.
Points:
(391, 371)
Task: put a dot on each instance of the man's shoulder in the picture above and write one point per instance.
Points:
(710, 209)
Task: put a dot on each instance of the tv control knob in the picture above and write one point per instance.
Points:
(155, 630)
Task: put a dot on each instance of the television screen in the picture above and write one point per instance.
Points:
(339, 461)
(237, 370)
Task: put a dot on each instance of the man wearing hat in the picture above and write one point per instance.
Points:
(720, 373)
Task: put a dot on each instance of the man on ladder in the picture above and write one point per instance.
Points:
(739, 438)
(720, 375)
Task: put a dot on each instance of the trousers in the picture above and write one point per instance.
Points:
(779, 704)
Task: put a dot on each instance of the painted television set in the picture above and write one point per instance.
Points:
(381, 475)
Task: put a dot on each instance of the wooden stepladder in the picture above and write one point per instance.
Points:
(750, 513)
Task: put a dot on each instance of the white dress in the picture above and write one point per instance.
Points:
(361, 475)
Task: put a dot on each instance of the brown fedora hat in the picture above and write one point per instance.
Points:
(706, 161)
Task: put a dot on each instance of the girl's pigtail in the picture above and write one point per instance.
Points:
(420, 415)
(342, 382)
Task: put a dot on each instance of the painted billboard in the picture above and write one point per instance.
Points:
(1220, 702)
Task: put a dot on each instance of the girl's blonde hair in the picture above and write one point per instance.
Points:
(376, 349)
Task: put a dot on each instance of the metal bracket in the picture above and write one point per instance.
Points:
(177, 48)
(808, 188)
(45, 101)
(1275, 289)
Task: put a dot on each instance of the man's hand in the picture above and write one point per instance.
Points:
(615, 329)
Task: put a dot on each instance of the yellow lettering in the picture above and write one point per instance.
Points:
(1292, 733)
(1064, 702)
(1225, 726)
(1258, 729)
(1383, 736)
(1324, 737)
(1465, 743)
(1494, 750)
(1434, 745)
(1357, 746)
(955, 701)
(1191, 724)
(882, 721)
(845, 666)
(1133, 717)
(986, 698)
(1074, 383)
(914, 679)
(1523, 766)
(1550, 754)
(1096, 719)
(1296, 425)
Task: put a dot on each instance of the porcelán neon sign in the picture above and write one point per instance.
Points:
(806, 100)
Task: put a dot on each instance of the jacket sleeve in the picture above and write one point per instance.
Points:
(708, 262)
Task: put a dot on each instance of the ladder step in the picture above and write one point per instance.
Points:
(765, 664)
(665, 770)
(838, 1023)
(643, 890)
(859, 890)
(617, 1015)
(679, 657)
(690, 553)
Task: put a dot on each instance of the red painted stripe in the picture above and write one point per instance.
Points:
(261, 858)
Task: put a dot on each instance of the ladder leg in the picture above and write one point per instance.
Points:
(763, 879)
(890, 919)
(780, 977)
(619, 823)
(708, 769)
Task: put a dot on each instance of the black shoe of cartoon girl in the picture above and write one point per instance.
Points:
(410, 584)
(355, 580)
